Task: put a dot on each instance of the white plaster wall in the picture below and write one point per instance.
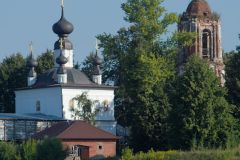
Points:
(100, 95)
(105, 119)
(50, 101)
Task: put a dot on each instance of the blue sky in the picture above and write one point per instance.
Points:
(23, 21)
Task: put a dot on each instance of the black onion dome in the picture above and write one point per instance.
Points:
(63, 27)
(31, 62)
(97, 60)
(61, 60)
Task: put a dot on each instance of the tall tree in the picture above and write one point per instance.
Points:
(135, 64)
(142, 64)
(201, 116)
(233, 80)
(13, 74)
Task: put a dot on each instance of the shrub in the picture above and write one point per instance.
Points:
(50, 149)
(29, 150)
(9, 151)
(127, 154)
(233, 154)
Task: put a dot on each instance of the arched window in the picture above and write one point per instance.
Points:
(38, 106)
(206, 44)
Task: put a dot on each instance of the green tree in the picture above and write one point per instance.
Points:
(233, 81)
(45, 61)
(88, 65)
(141, 64)
(13, 74)
(50, 149)
(201, 116)
(85, 109)
(138, 61)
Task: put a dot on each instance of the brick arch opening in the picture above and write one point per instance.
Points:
(207, 44)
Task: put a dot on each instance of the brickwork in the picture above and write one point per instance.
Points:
(200, 19)
(96, 148)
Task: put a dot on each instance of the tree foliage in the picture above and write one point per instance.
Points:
(201, 115)
(233, 80)
(9, 151)
(45, 61)
(13, 74)
(29, 149)
(87, 64)
(142, 64)
(47, 149)
(51, 148)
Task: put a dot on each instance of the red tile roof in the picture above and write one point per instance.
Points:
(75, 130)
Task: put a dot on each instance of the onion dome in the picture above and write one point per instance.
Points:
(63, 27)
(199, 8)
(97, 60)
(61, 60)
(31, 62)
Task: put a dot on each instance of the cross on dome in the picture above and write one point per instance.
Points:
(61, 43)
(97, 45)
(31, 47)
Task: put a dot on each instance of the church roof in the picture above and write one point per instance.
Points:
(29, 117)
(75, 78)
(77, 130)
(198, 8)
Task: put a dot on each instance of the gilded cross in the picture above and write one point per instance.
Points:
(61, 43)
(31, 47)
(62, 3)
(97, 45)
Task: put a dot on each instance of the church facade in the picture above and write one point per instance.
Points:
(53, 92)
(200, 19)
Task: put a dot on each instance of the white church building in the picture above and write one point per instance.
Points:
(52, 92)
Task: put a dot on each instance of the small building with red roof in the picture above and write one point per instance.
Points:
(83, 139)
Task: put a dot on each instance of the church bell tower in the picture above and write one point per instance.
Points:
(200, 19)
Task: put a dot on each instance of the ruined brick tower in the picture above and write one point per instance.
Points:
(206, 24)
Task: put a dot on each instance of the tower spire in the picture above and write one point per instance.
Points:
(63, 28)
(97, 73)
(31, 64)
(61, 60)
(31, 48)
(97, 45)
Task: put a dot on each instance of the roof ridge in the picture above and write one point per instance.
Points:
(70, 123)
